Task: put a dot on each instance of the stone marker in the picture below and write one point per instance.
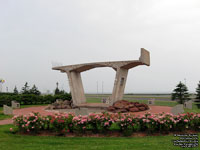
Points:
(7, 110)
(188, 104)
(151, 102)
(108, 100)
(15, 104)
(103, 100)
(178, 109)
(81, 111)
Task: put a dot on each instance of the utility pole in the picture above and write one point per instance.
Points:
(97, 88)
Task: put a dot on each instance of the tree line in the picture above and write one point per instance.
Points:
(29, 96)
(181, 94)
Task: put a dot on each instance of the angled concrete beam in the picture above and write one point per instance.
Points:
(121, 68)
(76, 87)
(119, 84)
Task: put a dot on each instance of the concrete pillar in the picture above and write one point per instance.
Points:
(76, 87)
(119, 84)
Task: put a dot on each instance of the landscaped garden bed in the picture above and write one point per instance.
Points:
(105, 124)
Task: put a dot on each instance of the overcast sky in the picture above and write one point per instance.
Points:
(35, 33)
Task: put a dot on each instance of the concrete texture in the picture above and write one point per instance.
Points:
(81, 111)
(188, 104)
(121, 68)
(151, 102)
(178, 109)
(7, 110)
(15, 104)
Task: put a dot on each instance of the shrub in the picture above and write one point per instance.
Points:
(32, 123)
(29, 99)
(124, 123)
(61, 123)
(80, 123)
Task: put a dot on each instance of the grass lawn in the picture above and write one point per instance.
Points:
(2, 116)
(9, 141)
(26, 106)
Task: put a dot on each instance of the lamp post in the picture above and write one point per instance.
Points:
(1, 83)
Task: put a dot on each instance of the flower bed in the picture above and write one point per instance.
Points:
(101, 123)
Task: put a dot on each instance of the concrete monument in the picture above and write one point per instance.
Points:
(121, 68)
(188, 104)
(178, 109)
(7, 110)
(81, 111)
(15, 104)
(151, 102)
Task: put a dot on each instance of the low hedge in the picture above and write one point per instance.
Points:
(101, 123)
(29, 99)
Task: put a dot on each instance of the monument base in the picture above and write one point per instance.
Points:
(93, 105)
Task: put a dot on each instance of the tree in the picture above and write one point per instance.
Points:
(180, 93)
(25, 89)
(34, 90)
(198, 91)
(15, 91)
(57, 91)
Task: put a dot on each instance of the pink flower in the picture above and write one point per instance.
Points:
(129, 119)
(185, 120)
(11, 129)
(106, 123)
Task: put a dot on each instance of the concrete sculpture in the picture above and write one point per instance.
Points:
(121, 68)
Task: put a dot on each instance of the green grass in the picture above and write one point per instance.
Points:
(2, 116)
(93, 100)
(9, 141)
(37, 105)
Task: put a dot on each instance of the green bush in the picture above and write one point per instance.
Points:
(30, 99)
